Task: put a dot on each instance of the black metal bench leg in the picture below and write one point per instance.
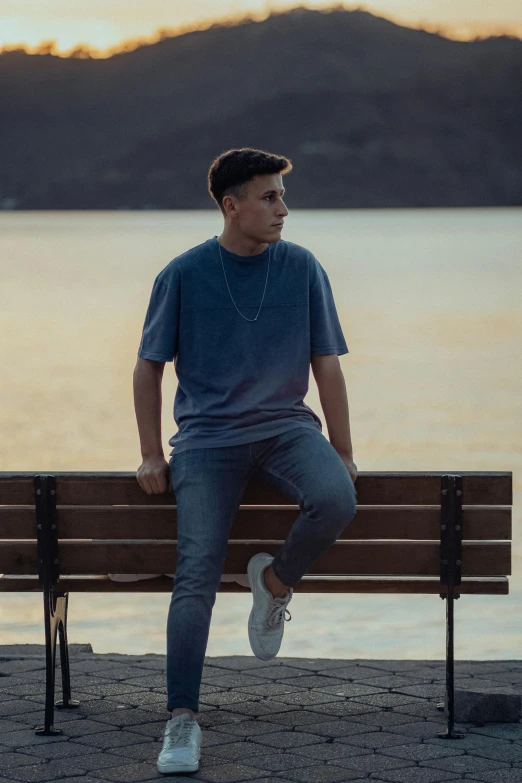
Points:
(50, 664)
(450, 672)
(61, 611)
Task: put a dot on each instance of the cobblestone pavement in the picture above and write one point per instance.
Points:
(289, 720)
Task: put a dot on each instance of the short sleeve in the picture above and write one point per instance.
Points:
(159, 339)
(326, 334)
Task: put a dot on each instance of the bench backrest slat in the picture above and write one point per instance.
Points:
(392, 488)
(400, 558)
(498, 585)
(160, 522)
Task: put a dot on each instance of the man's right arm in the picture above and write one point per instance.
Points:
(153, 475)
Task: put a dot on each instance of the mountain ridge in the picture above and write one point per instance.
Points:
(410, 118)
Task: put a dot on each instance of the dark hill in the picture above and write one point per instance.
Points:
(371, 114)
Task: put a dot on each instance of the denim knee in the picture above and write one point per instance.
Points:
(336, 505)
(197, 576)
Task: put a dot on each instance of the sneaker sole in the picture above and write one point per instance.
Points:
(169, 768)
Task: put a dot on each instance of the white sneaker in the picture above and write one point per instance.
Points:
(267, 616)
(181, 745)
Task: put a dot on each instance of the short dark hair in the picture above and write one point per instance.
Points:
(230, 172)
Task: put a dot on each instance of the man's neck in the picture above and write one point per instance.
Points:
(241, 246)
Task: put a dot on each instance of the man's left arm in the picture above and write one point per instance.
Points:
(334, 402)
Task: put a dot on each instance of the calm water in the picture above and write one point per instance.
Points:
(429, 301)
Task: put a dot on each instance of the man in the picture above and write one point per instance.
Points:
(243, 316)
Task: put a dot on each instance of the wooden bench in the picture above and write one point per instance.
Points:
(439, 533)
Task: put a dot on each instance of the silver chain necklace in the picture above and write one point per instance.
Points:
(229, 291)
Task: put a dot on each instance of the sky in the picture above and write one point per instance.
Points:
(107, 24)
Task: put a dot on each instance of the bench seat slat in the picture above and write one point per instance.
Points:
(397, 488)
(309, 584)
(390, 558)
(160, 522)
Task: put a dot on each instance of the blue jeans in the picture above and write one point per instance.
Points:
(209, 484)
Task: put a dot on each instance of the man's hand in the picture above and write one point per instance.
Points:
(351, 467)
(154, 475)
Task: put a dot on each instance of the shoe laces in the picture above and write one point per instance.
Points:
(178, 733)
(276, 612)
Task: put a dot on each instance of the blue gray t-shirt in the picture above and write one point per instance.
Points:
(238, 380)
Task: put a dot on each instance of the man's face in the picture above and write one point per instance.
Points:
(263, 209)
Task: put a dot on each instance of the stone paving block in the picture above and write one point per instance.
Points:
(344, 708)
(507, 677)
(75, 779)
(415, 751)
(288, 739)
(224, 697)
(426, 690)
(54, 750)
(15, 706)
(414, 775)
(350, 671)
(510, 752)
(371, 762)
(350, 689)
(487, 681)
(210, 738)
(316, 681)
(238, 751)
(13, 759)
(221, 717)
(330, 751)
(306, 698)
(130, 716)
(319, 774)
(23, 689)
(337, 728)
(7, 725)
(110, 689)
(464, 763)
(130, 773)
(84, 727)
(94, 761)
(19, 739)
(384, 681)
(98, 707)
(229, 773)
(279, 762)
(52, 770)
(399, 665)
(203, 688)
(422, 708)
(241, 662)
(420, 729)
(232, 680)
(387, 699)
(374, 739)
(142, 751)
(385, 719)
(136, 698)
(509, 732)
(149, 681)
(270, 779)
(499, 776)
(155, 729)
(254, 709)
(247, 728)
(299, 717)
(109, 739)
(485, 703)
(268, 689)
(285, 671)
